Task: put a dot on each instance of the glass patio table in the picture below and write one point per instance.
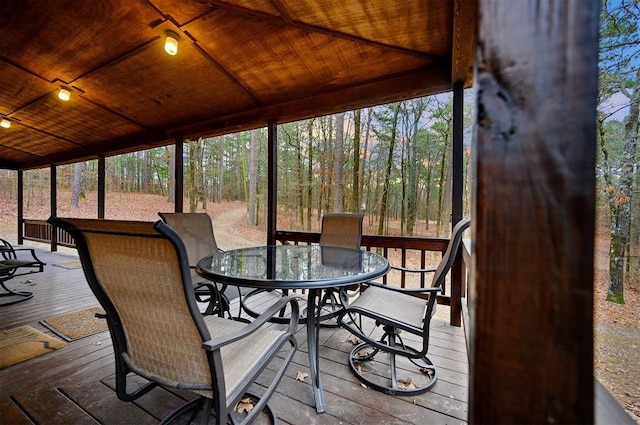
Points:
(288, 267)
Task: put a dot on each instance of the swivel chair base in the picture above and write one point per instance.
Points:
(200, 409)
(12, 297)
(379, 370)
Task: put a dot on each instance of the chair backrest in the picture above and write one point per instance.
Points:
(139, 273)
(449, 255)
(196, 231)
(341, 230)
(439, 276)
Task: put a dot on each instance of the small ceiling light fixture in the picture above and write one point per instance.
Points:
(171, 43)
(64, 94)
(5, 123)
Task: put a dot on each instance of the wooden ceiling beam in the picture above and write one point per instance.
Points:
(421, 82)
(465, 14)
(286, 20)
(7, 165)
(418, 83)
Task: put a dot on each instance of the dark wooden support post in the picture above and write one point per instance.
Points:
(272, 181)
(455, 311)
(533, 229)
(179, 177)
(53, 182)
(20, 207)
(101, 185)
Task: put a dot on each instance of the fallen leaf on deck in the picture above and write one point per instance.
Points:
(406, 384)
(354, 341)
(427, 371)
(300, 376)
(245, 405)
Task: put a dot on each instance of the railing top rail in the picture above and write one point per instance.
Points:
(407, 242)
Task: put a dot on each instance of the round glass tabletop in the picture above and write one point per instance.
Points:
(293, 266)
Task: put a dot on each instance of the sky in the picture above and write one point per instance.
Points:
(618, 104)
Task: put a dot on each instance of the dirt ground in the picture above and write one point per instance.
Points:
(617, 335)
(616, 329)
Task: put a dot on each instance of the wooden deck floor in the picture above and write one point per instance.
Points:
(74, 385)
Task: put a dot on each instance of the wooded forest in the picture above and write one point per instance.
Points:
(392, 162)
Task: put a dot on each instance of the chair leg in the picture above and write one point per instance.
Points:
(218, 302)
(19, 295)
(381, 373)
(195, 405)
(205, 411)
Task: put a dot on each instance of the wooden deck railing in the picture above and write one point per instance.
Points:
(406, 252)
(41, 231)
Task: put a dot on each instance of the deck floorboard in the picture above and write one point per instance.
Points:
(76, 384)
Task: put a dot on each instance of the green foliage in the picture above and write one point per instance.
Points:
(616, 298)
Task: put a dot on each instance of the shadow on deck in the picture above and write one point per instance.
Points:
(75, 384)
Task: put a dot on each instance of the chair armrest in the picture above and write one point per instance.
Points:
(428, 290)
(217, 343)
(404, 269)
(33, 254)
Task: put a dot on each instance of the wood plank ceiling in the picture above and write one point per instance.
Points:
(239, 64)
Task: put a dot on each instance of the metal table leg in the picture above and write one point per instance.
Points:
(313, 331)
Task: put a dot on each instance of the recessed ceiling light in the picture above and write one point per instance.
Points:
(171, 43)
(5, 123)
(64, 94)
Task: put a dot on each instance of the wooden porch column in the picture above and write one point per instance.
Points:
(179, 176)
(101, 185)
(53, 188)
(20, 207)
(272, 181)
(533, 229)
(455, 312)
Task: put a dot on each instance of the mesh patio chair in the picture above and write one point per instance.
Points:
(196, 232)
(340, 230)
(16, 262)
(140, 274)
(343, 230)
(388, 363)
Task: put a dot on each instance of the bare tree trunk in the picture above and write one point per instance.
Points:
(170, 155)
(220, 193)
(339, 163)
(404, 155)
(310, 174)
(418, 107)
(146, 171)
(300, 174)
(193, 190)
(355, 200)
(253, 176)
(441, 182)
(387, 175)
(77, 184)
(620, 198)
(202, 179)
